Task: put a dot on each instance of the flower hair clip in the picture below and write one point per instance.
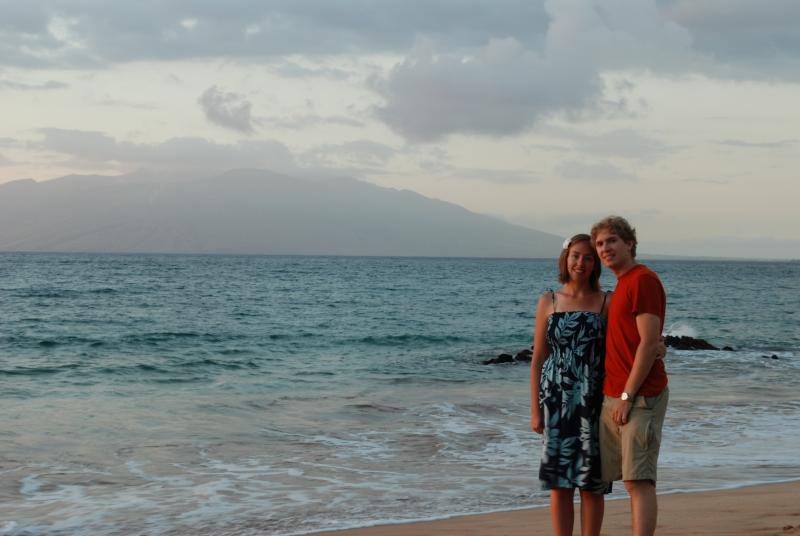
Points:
(565, 245)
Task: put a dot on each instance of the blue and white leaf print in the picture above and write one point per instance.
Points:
(571, 392)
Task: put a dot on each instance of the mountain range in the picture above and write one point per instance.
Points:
(250, 212)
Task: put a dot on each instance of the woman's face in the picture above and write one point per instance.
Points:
(580, 261)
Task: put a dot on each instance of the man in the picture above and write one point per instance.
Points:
(635, 385)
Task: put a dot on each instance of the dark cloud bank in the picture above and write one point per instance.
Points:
(471, 67)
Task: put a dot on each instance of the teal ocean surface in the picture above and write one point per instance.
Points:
(153, 394)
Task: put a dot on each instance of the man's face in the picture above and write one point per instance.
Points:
(613, 251)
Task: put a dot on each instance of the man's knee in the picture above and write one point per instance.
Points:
(640, 486)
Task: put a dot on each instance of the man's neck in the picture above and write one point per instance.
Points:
(619, 272)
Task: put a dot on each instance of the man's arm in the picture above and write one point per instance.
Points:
(649, 327)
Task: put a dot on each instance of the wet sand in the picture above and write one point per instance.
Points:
(763, 510)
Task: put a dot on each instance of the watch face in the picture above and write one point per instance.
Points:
(625, 396)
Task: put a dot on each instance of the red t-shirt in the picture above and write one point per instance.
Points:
(638, 291)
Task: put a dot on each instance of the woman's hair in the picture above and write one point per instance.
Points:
(563, 273)
(620, 227)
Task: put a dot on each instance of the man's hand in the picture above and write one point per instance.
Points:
(620, 410)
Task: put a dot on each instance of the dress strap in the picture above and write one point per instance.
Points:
(605, 297)
(553, 297)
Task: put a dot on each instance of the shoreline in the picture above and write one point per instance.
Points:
(758, 509)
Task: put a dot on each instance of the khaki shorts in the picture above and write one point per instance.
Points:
(630, 452)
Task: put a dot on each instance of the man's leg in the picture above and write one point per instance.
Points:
(644, 506)
(562, 511)
(592, 508)
(641, 439)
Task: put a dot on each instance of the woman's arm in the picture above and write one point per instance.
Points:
(540, 353)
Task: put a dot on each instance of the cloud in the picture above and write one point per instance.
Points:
(98, 148)
(759, 145)
(617, 35)
(506, 87)
(502, 90)
(577, 170)
(622, 143)
(760, 38)
(311, 118)
(731, 38)
(709, 181)
(25, 39)
(291, 69)
(299, 121)
(23, 86)
(359, 153)
(558, 218)
(117, 103)
(80, 149)
(226, 109)
(82, 32)
(84, 145)
(11, 142)
(752, 247)
(496, 176)
(552, 147)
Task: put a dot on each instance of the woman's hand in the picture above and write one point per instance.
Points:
(661, 349)
(536, 423)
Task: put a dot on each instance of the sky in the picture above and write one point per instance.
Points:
(681, 115)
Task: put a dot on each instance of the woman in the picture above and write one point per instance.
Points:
(567, 387)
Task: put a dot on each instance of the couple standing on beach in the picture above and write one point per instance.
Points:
(598, 386)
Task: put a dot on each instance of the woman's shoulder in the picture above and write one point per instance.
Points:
(546, 300)
(548, 294)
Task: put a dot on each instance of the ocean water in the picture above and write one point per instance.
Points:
(154, 394)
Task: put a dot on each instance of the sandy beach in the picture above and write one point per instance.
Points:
(770, 509)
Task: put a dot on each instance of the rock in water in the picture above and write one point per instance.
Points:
(502, 358)
(524, 355)
(688, 343)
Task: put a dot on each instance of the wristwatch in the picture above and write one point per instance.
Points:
(626, 397)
